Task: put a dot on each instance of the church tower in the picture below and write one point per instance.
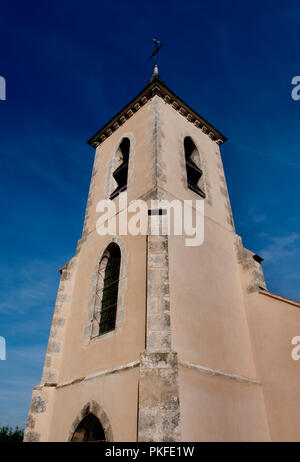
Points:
(151, 339)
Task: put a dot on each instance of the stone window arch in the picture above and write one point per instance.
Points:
(92, 424)
(120, 173)
(120, 166)
(194, 172)
(91, 329)
(107, 288)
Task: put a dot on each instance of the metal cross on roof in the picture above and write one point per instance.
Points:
(157, 47)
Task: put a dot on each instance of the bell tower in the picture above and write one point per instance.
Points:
(150, 339)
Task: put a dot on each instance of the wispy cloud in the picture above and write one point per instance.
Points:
(18, 375)
(281, 247)
(253, 217)
(27, 287)
(281, 265)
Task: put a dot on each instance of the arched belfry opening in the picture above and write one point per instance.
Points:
(195, 179)
(89, 430)
(121, 172)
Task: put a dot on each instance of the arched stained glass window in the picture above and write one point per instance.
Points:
(107, 288)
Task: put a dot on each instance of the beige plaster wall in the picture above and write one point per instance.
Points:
(220, 409)
(120, 346)
(116, 394)
(273, 324)
(209, 325)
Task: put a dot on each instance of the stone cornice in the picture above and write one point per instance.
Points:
(156, 86)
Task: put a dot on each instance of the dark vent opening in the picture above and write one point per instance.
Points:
(193, 172)
(89, 430)
(121, 173)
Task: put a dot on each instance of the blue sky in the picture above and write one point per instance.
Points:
(69, 67)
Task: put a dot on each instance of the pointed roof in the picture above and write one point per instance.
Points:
(156, 86)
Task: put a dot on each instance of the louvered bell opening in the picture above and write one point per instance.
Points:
(194, 174)
(121, 173)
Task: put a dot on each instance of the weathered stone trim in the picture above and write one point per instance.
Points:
(91, 326)
(158, 335)
(252, 267)
(157, 171)
(85, 230)
(112, 370)
(110, 184)
(224, 190)
(38, 405)
(159, 407)
(63, 301)
(209, 371)
(31, 437)
(94, 408)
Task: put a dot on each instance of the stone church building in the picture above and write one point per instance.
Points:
(153, 340)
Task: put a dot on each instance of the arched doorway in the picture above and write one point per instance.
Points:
(89, 430)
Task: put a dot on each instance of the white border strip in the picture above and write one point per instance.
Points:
(207, 370)
(99, 374)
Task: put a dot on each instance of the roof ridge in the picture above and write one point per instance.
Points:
(156, 86)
